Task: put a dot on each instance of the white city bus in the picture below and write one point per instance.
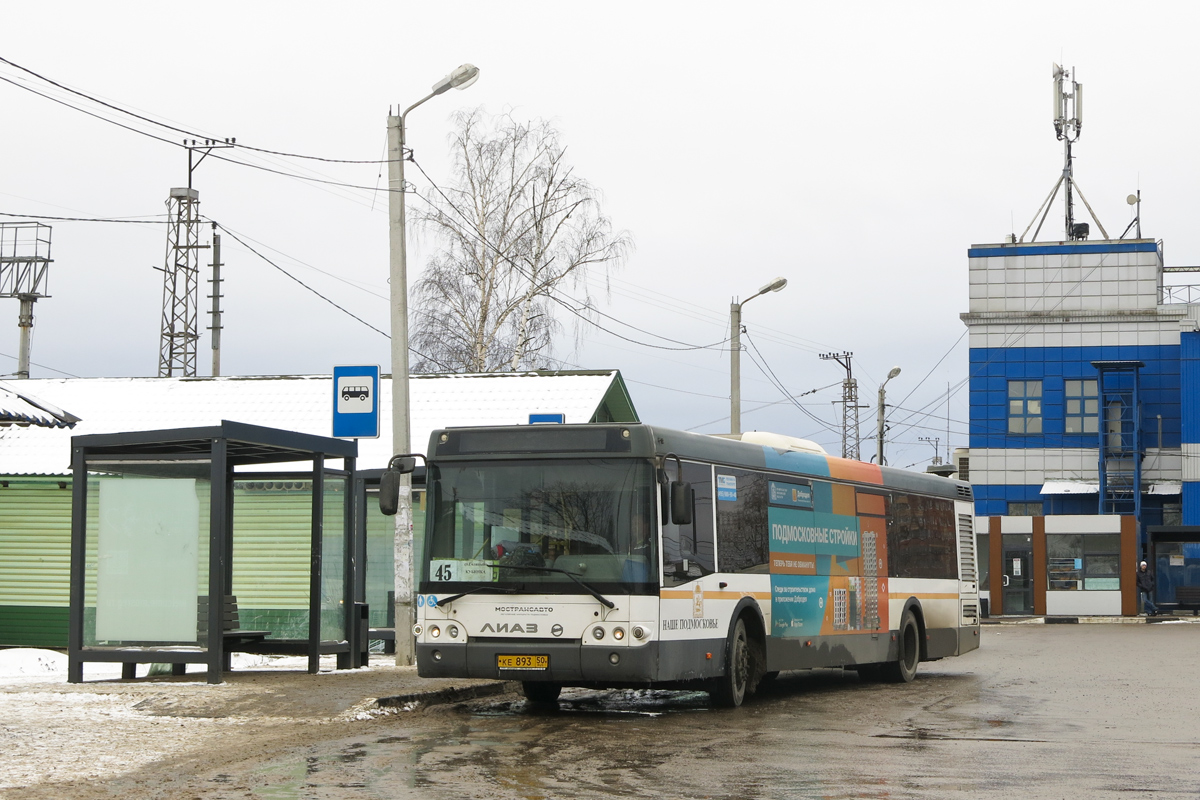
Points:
(625, 555)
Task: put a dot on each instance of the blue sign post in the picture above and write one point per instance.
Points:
(356, 402)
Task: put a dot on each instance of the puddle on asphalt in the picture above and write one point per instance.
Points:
(483, 743)
(644, 743)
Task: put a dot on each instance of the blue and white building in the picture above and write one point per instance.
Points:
(1084, 393)
(1059, 331)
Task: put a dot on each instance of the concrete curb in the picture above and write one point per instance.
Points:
(1065, 620)
(454, 694)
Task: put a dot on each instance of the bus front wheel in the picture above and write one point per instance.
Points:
(908, 638)
(541, 691)
(732, 688)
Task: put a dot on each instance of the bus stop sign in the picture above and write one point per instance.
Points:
(356, 402)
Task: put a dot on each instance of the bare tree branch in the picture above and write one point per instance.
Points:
(516, 224)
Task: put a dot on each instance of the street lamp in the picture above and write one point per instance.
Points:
(735, 353)
(879, 438)
(460, 78)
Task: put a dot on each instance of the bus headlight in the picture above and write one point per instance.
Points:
(417, 629)
(618, 633)
(639, 632)
(435, 631)
(452, 631)
(597, 632)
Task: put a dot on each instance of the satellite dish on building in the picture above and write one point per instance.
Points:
(1132, 199)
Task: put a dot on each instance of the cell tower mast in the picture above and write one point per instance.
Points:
(181, 285)
(24, 264)
(1068, 123)
(850, 406)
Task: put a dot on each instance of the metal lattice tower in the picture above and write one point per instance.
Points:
(181, 292)
(177, 344)
(850, 406)
(24, 267)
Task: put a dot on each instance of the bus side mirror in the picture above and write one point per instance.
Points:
(389, 484)
(682, 500)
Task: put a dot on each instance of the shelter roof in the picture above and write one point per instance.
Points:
(304, 404)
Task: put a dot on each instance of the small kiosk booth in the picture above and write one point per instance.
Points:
(161, 524)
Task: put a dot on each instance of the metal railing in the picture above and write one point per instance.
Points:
(1180, 294)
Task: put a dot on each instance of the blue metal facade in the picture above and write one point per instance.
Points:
(1189, 362)
(993, 368)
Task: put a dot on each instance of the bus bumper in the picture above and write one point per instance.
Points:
(569, 662)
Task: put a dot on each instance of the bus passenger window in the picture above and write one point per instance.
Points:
(692, 543)
(742, 520)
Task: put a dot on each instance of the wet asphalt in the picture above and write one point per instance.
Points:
(1040, 711)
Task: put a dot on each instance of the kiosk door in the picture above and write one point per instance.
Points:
(1017, 581)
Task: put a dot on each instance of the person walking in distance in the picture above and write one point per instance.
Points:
(1145, 585)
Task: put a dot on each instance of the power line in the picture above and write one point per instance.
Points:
(766, 370)
(87, 219)
(249, 247)
(43, 366)
(242, 242)
(184, 131)
(184, 146)
(327, 273)
(550, 289)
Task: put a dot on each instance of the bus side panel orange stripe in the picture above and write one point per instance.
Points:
(845, 469)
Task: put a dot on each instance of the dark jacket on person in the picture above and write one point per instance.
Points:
(1145, 581)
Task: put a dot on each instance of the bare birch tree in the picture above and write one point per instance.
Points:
(515, 226)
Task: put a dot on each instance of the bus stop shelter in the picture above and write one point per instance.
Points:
(154, 540)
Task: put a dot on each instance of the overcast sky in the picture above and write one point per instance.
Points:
(856, 149)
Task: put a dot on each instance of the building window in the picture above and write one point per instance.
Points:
(1024, 406)
(1077, 562)
(1082, 406)
(1025, 509)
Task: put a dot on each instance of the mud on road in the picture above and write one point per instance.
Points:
(166, 737)
(1039, 711)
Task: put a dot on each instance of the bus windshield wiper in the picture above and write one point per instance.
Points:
(496, 589)
(608, 603)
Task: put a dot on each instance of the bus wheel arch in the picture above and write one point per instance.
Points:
(910, 645)
(745, 656)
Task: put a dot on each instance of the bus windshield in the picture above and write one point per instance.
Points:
(530, 522)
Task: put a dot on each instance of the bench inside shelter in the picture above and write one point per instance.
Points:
(1188, 597)
(236, 639)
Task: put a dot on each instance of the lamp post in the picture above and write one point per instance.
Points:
(882, 394)
(460, 78)
(735, 353)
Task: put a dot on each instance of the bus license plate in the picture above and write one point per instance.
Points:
(523, 662)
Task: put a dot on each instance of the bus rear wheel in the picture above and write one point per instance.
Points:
(908, 638)
(541, 692)
(732, 688)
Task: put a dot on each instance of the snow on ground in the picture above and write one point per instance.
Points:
(20, 665)
(53, 731)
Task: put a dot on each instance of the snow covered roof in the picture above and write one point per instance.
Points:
(19, 408)
(303, 403)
